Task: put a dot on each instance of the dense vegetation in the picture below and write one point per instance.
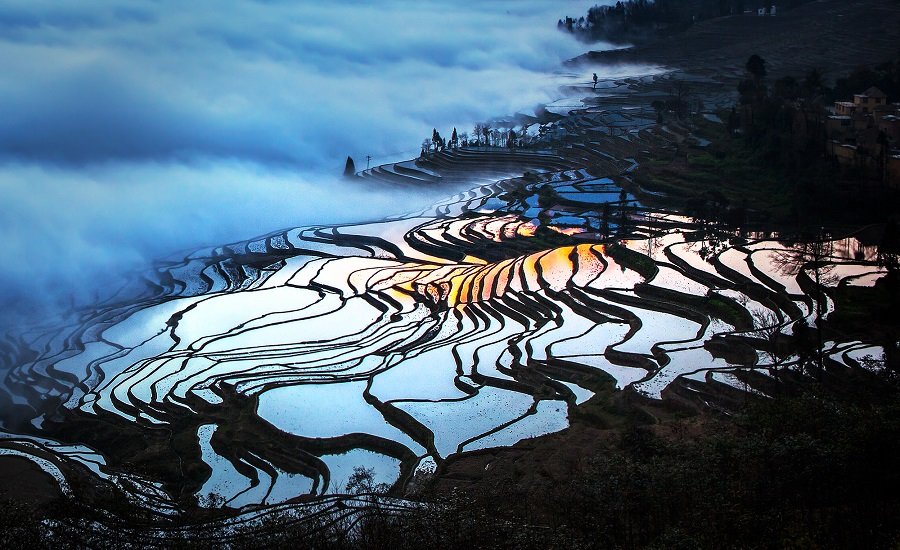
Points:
(769, 159)
(885, 76)
(782, 126)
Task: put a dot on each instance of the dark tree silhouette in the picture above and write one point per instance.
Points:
(756, 66)
(812, 254)
(362, 481)
(437, 140)
(349, 168)
(659, 106)
(605, 215)
(478, 131)
(813, 84)
(678, 100)
(889, 248)
(787, 88)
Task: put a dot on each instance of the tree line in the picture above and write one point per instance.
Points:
(638, 20)
(483, 135)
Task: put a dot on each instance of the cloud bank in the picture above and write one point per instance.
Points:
(74, 235)
(272, 82)
(131, 129)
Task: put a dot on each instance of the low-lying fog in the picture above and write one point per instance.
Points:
(132, 129)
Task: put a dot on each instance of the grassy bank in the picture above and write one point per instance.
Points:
(721, 174)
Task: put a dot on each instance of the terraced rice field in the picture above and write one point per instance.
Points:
(263, 372)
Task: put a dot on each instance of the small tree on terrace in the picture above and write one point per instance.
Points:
(659, 107)
(477, 132)
(437, 139)
(813, 84)
(752, 90)
(768, 325)
(756, 66)
(605, 216)
(681, 92)
(349, 168)
(362, 481)
(813, 255)
(496, 137)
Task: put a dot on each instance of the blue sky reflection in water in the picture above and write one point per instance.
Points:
(129, 130)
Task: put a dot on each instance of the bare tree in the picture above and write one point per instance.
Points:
(478, 131)
(681, 92)
(768, 325)
(362, 481)
(811, 255)
(496, 136)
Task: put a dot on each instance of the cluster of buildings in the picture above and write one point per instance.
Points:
(864, 135)
(763, 11)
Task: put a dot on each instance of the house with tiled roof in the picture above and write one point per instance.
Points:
(869, 100)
